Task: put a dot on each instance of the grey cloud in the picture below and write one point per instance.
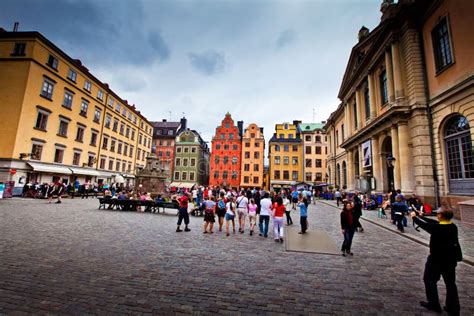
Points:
(208, 63)
(90, 30)
(285, 38)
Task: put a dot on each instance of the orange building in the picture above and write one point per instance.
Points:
(253, 151)
(226, 153)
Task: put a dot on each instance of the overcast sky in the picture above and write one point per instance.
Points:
(263, 61)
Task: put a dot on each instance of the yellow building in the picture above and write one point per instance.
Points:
(314, 153)
(253, 152)
(286, 156)
(61, 122)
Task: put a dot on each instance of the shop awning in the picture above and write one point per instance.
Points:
(41, 167)
(85, 171)
(187, 185)
(174, 184)
(128, 176)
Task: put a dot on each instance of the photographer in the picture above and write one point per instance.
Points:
(445, 252)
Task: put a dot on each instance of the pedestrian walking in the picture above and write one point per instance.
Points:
(445, 253)
(221, 209)
(338, 196)
(357, 212)
(242, 210)
(183, 213)
(209, 215)
(399, 209)
(303, 205)
(294, 199)
(230, 215)
(347, 227)
(252, 215)
(278, 211)
(286, 204)
(264, 217)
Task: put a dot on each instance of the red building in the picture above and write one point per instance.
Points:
(226, 153)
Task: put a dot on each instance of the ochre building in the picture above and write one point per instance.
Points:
(59, 121)
(253, 155)
(286, 156)
(406, 120)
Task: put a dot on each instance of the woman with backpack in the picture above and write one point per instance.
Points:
(221, 209)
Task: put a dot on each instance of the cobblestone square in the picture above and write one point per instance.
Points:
(71, 258)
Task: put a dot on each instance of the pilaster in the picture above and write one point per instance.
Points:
(396, 155)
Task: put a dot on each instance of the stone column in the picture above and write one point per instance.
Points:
(397, 71)
(407, 176)
(346, 122)
(350, 170)
(396, 155)
(373, 103)
(389, 72)
(377, 172)
(359, 108)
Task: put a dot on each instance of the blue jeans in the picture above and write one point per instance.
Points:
(263, 230)
(348, 235)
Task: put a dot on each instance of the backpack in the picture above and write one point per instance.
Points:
(221, 205)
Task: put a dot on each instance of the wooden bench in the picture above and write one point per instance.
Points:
(132, 205)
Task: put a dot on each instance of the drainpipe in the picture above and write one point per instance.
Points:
(430, 119)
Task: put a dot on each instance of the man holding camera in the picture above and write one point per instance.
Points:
(445, 252)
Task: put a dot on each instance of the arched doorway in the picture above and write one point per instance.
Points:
(387, 170)
(344, 175)
(338, 175)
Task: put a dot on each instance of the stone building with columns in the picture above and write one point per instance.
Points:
(406, 117)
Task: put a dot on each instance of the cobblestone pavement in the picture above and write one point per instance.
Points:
(466, 235)
(74, 259)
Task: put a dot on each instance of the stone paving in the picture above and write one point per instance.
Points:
(466, 235)
(74, 259)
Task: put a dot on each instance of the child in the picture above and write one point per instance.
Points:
(303, 205)
(252, 215)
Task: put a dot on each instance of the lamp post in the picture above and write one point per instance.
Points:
(390, 164)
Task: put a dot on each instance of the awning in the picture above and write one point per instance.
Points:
(174, 184)
(128, 176)
(187, 185)
(103, 174)
(85, 171)
(41, 167)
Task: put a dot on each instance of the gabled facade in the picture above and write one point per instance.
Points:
(164, 136)
(286, 156)
(406, 117)
(191, 160)
(314, 152)
(226, 154)
(253, 152)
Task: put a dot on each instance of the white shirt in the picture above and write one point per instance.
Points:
(242, 202)
(265, 207)
(227, 206)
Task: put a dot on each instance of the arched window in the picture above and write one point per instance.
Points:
(338, 174)
(344, 175)
(459, 157)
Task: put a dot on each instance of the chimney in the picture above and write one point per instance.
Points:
(240, 125)
(184, 123)
(15, 26)
(164, 120)
(363, 32)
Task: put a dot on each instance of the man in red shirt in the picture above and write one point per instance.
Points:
(183, 213)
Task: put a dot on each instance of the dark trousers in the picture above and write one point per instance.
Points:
(289, 221)
(183, 214)
(304, 223)
(263, 228)
(347, 243)
(338, 200)
(433, 271)
(399, 221)
(356, 220)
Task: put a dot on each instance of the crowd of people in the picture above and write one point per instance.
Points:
(244, 209)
